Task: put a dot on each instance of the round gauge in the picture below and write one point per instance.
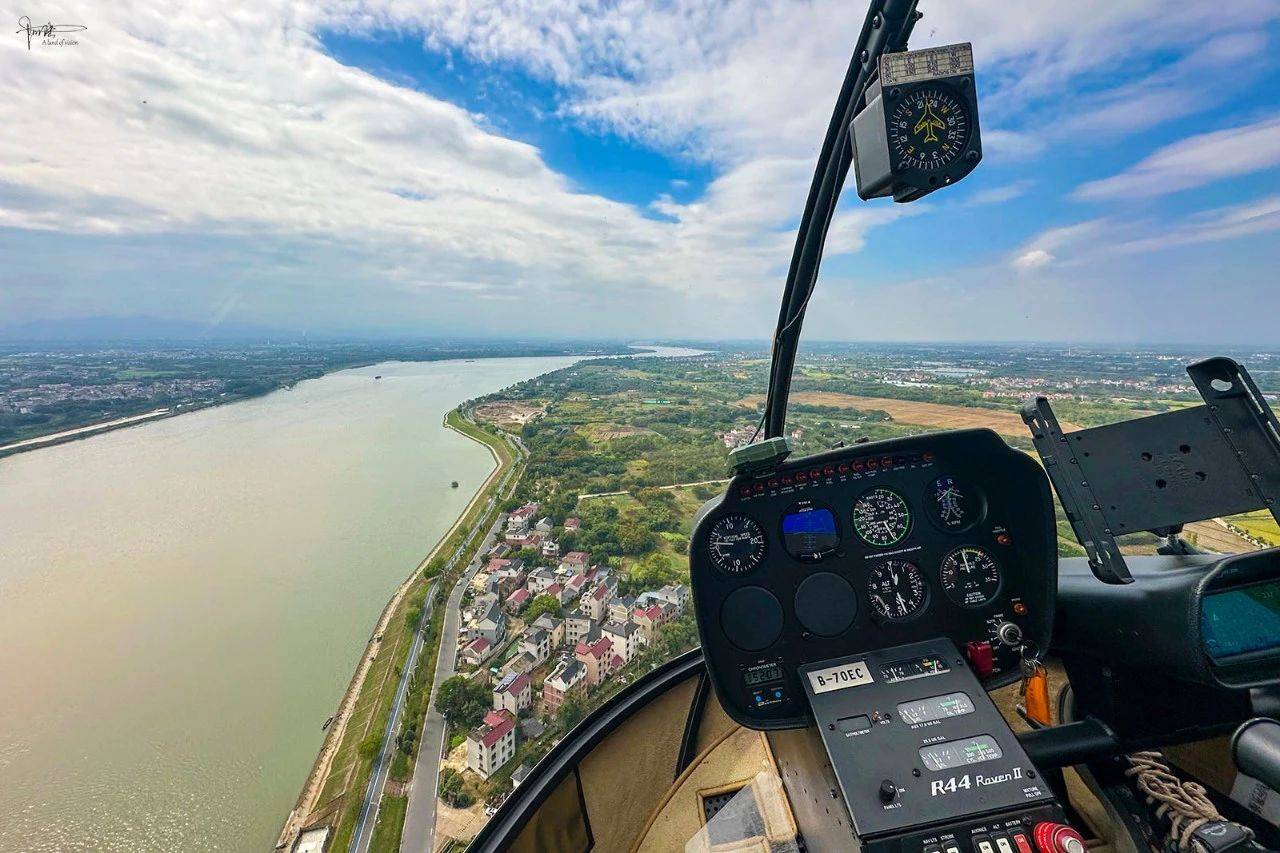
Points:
(881, 517)
(736, 544)
(954, 506)
(897, 590)
(929, 128)
(809, 532)
(970, 576)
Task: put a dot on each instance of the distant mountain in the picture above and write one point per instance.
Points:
(136, 328)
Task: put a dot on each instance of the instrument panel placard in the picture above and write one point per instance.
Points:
(840, 677)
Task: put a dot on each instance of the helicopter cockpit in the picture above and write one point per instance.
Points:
(884, 625)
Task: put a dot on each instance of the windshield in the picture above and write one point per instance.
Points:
(363, 368)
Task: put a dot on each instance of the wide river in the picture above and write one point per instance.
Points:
(182, 603)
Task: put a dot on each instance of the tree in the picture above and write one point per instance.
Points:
(635, 537)
(539, 605)
(571, 712)
(462, 701)
(451, 789)
(370, 746)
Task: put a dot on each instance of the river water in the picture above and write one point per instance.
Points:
(182, 603)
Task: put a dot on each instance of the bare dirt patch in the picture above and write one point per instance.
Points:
(504, 412)
(939, 415)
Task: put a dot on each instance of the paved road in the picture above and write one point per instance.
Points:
(382, 767)
(420, 814)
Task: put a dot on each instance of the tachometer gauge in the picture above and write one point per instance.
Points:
(954, 506)
(736, 544)
(897, 590)
(928, 128)
(970, 576)
(881, 517)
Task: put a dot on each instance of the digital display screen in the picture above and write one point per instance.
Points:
(959, 753)
(761, 674)
(935, 708)
(809, 532)
(1241, 620)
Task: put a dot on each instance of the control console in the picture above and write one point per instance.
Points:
(926, 762)
(942, 535)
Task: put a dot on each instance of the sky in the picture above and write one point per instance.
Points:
(578, 169)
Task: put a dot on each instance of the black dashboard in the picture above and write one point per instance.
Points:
(941, 535)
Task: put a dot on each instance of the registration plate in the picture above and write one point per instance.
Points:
(840, 677)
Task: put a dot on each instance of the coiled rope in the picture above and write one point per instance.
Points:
(1184, 804)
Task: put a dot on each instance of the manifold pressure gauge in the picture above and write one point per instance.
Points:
(919, 129)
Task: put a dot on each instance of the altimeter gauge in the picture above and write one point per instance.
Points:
(736, 544)
(881, 517)
(970, 576)
(897, 590)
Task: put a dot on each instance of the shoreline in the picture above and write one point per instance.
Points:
(53, 439)
(313, 785)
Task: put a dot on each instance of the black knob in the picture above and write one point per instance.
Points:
(888, 791)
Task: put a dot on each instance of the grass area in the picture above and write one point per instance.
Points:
(349, 774)
(386, 833)
(1259, 525)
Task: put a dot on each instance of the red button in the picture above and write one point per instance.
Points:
(844, 468)
(1058, 838)
(981, 657)
(815, 473)
(800, 477)
(1021, 842)
(872, 464)
(859, 465)
(828, 470)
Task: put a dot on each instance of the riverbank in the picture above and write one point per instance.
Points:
(334, 789)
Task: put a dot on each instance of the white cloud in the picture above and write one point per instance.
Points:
(1193, 162)
(1033, 259)
(331, 186)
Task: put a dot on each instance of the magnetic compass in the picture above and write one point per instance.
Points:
(929, 128)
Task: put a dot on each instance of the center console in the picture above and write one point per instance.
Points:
(877, 592)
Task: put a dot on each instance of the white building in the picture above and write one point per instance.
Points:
(626, 636)
(514, 693)
(491, 744)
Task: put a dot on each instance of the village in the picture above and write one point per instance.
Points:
(542, 629)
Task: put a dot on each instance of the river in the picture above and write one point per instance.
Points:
(182, 603)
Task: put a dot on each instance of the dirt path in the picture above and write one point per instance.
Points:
(940, 415)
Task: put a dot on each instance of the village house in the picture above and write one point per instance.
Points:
(577, 626)
(575, 562)
(677, 596)
(620, 608)
(596, 601)
(517, 599)
(648, 619)
(539, 579)
(565, 679)
(490, 624)
(536, 643)
(554, 628)
(518, 665)
(574, 585)
(477, 651)
(513, 693)
(544, 525)
(519, 520)
(550, 549)
(626, 638)
(558, 592)
(572, 524)
(596, 659)
(491, 744)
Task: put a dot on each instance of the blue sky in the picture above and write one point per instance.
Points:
(636, 170)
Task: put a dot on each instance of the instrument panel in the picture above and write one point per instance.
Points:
(943, 535)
